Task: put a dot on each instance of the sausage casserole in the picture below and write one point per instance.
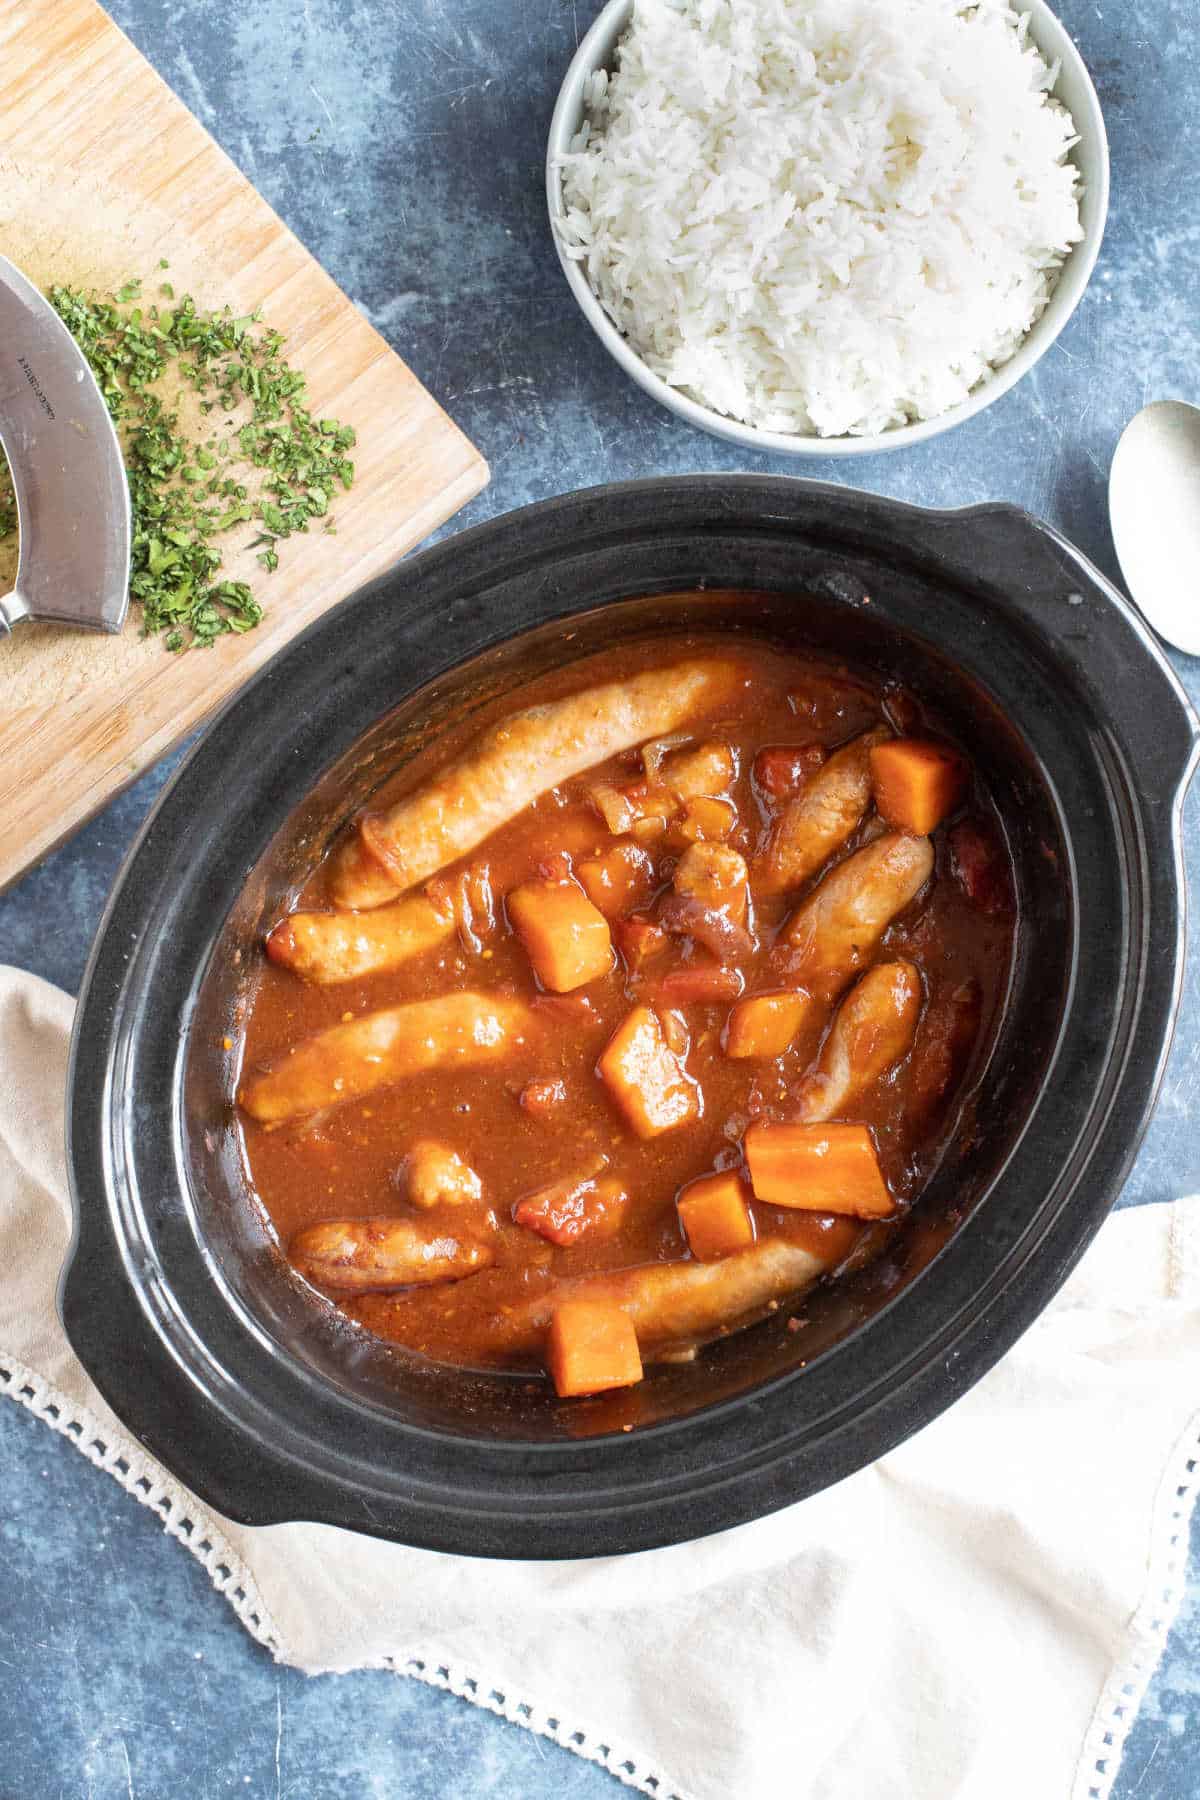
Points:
(644, 1001)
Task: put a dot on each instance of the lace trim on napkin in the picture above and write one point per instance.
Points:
(1103, 1746)
(149, 1485)
(634, 1771)
(1146, 1634)
(152, 1487)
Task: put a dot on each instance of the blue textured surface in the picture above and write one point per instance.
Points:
(402, 140)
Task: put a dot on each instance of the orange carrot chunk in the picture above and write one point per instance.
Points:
(565, 937)
(714, 1215)
(818, 1168)
(591, 1346)
(916, 783)
(765, 1024)
(646, 1078)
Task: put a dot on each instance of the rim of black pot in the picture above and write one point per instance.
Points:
(257, 1454)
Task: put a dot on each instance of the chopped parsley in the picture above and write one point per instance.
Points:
(265, 461)
(8, 502)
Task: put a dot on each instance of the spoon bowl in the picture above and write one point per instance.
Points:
(1154, 505)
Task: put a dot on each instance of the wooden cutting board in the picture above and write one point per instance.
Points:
(102, 173)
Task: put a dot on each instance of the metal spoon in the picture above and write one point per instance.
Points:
(1154, 505)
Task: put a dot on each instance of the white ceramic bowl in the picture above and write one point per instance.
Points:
(1090, 155)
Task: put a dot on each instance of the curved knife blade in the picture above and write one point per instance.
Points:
(67, 470)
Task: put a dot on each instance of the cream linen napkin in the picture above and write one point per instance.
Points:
(975, 1616)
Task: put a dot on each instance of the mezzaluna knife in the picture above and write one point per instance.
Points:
(67, 471)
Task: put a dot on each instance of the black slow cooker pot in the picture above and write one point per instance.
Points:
(264, 1400)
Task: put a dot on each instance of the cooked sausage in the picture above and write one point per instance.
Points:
(511, 765)
(670, 1302)
(874, 1028)
(843, 919)
(820, 819)
(384, 1047)
(365, 1256)
(327, 947)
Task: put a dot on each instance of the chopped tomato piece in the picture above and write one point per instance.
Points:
(765, 1024)
(818, 1168)
(568, 1210)
(700, 982)
(916, 783)
(943, 1048)
(901, 709)
(592, 1346)
(646, 1078)
(979, 867)
(638, 940)
(715, 1217)
(618, 879)
(565, 936)
(780, 773)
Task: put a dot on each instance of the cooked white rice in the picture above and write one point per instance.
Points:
(829, 216)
